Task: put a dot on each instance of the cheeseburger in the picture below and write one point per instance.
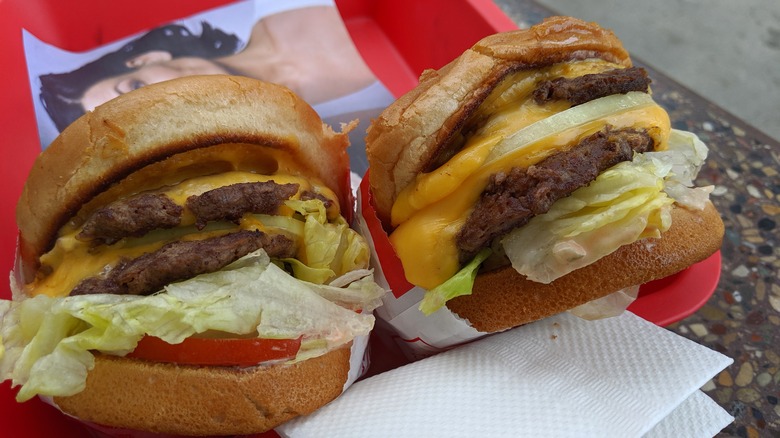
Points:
(534, 174)
(186, 264)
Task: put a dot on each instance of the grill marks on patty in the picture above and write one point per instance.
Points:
(132, 217)
(231, 202)
(138, 215)
(511, 199)
(588, 87)
(181, 260)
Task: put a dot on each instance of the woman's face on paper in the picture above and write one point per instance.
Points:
(152, 67)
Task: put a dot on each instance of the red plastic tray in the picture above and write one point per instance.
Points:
(397, 38)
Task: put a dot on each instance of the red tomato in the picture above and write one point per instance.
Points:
(216, 352)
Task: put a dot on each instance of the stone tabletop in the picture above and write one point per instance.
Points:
(742, 318)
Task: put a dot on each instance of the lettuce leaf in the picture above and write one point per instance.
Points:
(45, 342)
(628, 202)
(459, 284)
(685, 156)
(362, 294)
(624, 204)
(330, 249)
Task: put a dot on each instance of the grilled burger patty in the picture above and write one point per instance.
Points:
(132, 217)
(181, 260)
(588, 87)
(511, 199)
(231, 202)
(137, 215)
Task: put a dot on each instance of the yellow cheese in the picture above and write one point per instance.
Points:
(508, 109)
(71, 260)
(429, 213)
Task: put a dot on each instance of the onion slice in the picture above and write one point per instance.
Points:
(570, 118)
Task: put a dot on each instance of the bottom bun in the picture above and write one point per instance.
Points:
(503, 298)
(191, 400)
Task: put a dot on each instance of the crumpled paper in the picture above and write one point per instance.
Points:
(562, 376)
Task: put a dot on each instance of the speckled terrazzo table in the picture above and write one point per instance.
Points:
(742, 318)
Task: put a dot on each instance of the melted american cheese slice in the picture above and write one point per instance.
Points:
(429, 213)
(72, 260)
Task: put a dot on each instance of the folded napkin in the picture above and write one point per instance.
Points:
(561, 376)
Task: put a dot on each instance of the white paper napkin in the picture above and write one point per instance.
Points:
(697, 416)
(562, 376)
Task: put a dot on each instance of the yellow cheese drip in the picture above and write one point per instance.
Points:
(508, 109)
(438, 204)
(72, 260)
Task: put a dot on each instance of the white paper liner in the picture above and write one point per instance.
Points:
(416, 334)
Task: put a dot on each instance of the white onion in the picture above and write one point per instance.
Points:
(570, 118)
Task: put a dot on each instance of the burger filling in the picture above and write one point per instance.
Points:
(144, 240)
(511, 199)
(179, 260)
(227, 242)
(539, 138)
(582, 89)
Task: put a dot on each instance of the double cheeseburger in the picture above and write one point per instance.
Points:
(535, 173)
(186, 265)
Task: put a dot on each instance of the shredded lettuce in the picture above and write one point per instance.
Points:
(46, 342)
(608, 306)
(625, 203)
(360, 294)
(330, 248)
(685, 156)
(459, 284)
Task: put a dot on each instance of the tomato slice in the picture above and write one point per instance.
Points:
(216, 352)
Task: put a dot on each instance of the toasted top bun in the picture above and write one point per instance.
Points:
(410, 133)
(158, 121)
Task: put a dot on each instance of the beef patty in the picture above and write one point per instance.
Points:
(181, 260)
(131, 217)
(511, 199)
(231, 202)
(588, 87)
(137, 215)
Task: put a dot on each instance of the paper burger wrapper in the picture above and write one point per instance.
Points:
(419, 335)
(398, 319)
